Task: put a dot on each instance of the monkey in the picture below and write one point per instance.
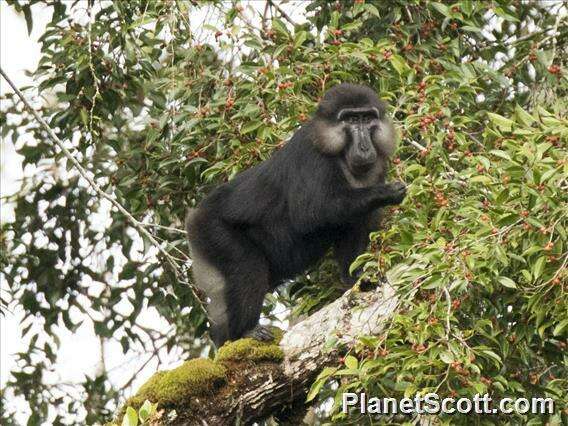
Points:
(325, 188)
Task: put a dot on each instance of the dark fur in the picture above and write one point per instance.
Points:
(273, 221)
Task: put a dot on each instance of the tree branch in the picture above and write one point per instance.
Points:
(140, 226)
(282, 13)
(256, 390)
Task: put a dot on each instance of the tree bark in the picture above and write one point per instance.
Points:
(308, 347)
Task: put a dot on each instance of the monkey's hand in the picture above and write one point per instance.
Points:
(393, 192)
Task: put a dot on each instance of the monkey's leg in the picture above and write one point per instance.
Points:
(245, 274)
(246, 287)
(352, 243)
(346, 249)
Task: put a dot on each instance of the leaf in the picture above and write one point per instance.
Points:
(501, 154)
(84, 117)
(442, 8)
(523, 116)
(280, 27)
(319, 382)
(250, 127)
(501, 122)
(538, 267)
(372, 9)
(314, 389)
(146, 411)
(399, 64)
(545, 57)
(507, 282)
(481, 179)
(351, 362)
(361, 260)
(28, 17)
(560, 327)
(300, 38)
(470, 29)
(130, 417)
(447, 357)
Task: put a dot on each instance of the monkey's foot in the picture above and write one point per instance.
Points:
(260, 332)
(367, 285)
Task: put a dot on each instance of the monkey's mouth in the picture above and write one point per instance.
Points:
(360, 168)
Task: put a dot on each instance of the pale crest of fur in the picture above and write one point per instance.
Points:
(330, 138)
(384, 138)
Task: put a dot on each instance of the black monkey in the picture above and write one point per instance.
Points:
(323, 189)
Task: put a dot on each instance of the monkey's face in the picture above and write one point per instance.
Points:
(352, 126)
(368, 136)
(362, 139)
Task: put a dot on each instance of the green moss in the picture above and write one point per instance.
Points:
(176, 387)
(197, 377)
(252, 349)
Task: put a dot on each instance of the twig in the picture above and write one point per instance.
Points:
(166, 228)
(284, 14)
(448, 313)
(416, 145)
(265, 17)
(93, 74)
(137, 224)
(152, 356)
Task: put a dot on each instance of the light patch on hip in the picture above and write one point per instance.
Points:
(209, 280)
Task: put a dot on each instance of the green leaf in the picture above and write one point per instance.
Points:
(481, 179)
(470, 29)
(319, 382)
(351, 362)
(507, 282)
(442, 8)
(501, 154)
(559, 329)
(538, 267)
(545, 57)
(130, 417)
(28, 17)
(251, 127)
(300, 38)
(280, 27)
(523, 116)
(314, 389)
(146, 411)
(447, 357)
(399, 64)
(501, 122)
(84, 117)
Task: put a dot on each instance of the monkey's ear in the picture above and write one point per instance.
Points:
(329, 139)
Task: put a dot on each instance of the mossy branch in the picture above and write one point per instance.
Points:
(251, 380)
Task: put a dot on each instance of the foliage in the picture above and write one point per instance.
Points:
(144, 415)
(160, 108)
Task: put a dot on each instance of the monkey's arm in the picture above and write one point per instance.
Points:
(343, 206)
